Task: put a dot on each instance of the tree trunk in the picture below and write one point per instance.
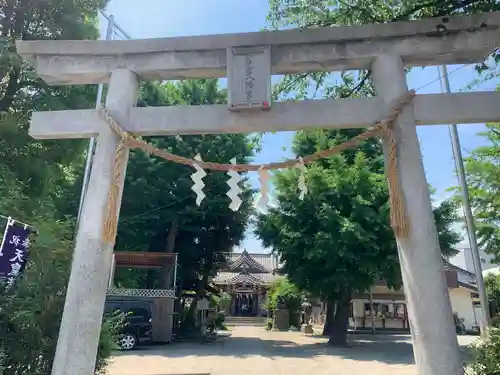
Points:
(200, 293)
(166, 270)
(330, 315)
(338, 333)
(172, 234)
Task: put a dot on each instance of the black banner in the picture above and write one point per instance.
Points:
(14, 251)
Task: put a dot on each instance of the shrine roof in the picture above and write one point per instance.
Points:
(141, 259)
(236, 277)
(254, 262)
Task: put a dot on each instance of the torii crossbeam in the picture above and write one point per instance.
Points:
(386, 48)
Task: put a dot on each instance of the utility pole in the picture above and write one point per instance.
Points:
(469, 219)
(91, 147)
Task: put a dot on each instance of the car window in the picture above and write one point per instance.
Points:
(138, 312)
(130, 309)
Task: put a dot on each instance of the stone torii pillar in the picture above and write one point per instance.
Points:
(387, 48)
(426, 292)
(81, 321)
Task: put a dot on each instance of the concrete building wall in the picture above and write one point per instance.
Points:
(461, 304)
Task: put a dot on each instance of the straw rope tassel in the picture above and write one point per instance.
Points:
(399, 219)
(110, 216)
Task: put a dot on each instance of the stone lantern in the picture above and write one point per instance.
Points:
(306, 326)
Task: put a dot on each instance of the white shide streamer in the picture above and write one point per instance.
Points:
(234, 189)
(198, 182)
(263, 199)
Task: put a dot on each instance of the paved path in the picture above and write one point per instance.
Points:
(253, 351)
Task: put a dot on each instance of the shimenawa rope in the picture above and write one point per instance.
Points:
(399, 220)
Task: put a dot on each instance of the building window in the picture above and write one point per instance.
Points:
(483, 260)
(400, 310)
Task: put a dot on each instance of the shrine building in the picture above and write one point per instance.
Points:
(247, 278)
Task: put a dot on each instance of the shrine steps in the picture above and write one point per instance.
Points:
(249, 321)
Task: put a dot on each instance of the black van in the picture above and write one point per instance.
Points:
(137, 317)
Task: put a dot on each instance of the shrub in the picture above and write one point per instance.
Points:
(223, 301)
(492, 283)
(285, 291)
(219, 320)
(486, 356)
(495, 321)
(108, 341)
(269, 324)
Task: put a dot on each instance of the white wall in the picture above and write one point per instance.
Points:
(461, 304)
(464, 259)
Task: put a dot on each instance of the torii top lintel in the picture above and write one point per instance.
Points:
(444, 40)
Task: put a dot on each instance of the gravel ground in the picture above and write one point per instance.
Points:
(252, 350)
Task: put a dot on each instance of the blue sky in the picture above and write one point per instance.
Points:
(168, 18)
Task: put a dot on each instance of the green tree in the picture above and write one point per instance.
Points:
(482, 169)
(445, 216)
(338, 241)
(492, 283)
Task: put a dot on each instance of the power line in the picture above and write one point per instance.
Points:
(441, 76)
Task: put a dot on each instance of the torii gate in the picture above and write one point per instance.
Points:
(386, 48)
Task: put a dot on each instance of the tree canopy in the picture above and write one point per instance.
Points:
(482, 169)
(338, 240)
